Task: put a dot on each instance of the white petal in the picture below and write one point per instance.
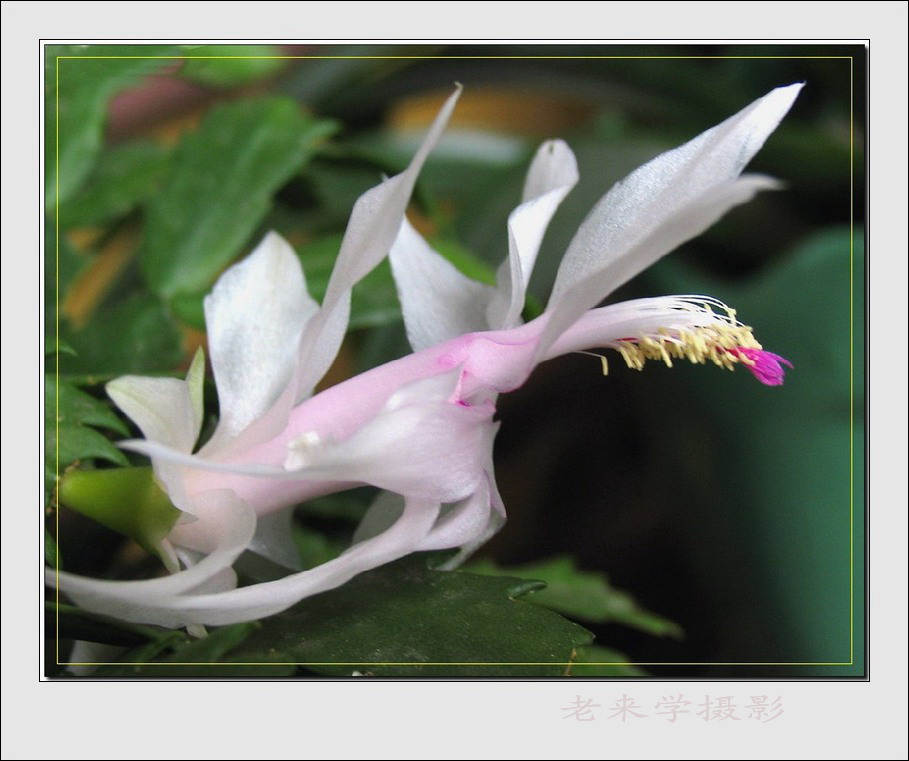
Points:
(553, 173)
(220, 581)
(686, 224)
(463, 523)
(374, 223)
(255, 316)
(438, 301)
(165, 411)
(661, 205)
(478, 534)
(265, 599)
(161, 407)
(139, 601)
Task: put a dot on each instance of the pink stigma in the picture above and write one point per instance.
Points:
(766, 366)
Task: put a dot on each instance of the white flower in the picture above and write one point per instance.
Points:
(419, 427)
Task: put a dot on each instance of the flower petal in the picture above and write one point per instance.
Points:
(161, 407)
(165, 410)
(553, 173)
(267, 598)
(463, 523)
(438, 301)
(662, 204)
(255, 316)
(231, 524)
(374, 223)
(472, 533)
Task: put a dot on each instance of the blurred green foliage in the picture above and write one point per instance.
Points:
(232, 65)
(224, 177)
(78, 92)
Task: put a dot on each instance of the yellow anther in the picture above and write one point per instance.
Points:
(716, 342)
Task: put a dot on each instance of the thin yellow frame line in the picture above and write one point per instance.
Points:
(57, 340)
(430, 57)
(458, 663)
(458, 58)
(851, 367)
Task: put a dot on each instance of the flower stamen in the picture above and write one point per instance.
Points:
(721, 339)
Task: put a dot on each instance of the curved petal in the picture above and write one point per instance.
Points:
(231, 524)
(438, 301)
(475, 533)
(374, 223)
(162, 408)
(689, 222)
(643, 217)
(466, 521)
(168, 412)
(265, 599)
(255, 316)
(553, 173)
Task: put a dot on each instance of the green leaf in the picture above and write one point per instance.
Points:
(134, 336)
(220, 189)
(232, 65)
(127, 500)
(584, 595)
(406, 620)
(80, 82)
(594, 660)
(124, 177)
(68, 413)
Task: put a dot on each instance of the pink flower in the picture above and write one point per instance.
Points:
(421, 427)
